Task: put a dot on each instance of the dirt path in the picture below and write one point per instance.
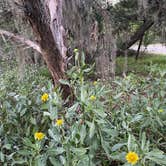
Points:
(152, 48)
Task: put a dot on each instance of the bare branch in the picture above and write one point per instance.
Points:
(18, 38)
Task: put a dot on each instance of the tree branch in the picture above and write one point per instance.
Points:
(138, 34)
(22, 40)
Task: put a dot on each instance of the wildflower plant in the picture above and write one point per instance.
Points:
(132, 158)
(118, 123)
(39, 136)
(59, 122)
(44, 97)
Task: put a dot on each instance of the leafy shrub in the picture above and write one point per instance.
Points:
(105, 122)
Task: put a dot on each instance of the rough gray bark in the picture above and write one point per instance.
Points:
(86, 32)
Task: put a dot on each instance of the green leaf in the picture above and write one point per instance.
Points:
(156, 153)
(117, 146)
(83, 94)
(79, 151)
(23, 111)
(118, 95)
(137, 118)
(118, 156)
(55, 152)
(84, 161)
(157, 156)
(7, 146)
(106, 147)
(71, 111)
(54, 161)
(28, 143)
(83, 59)
(41, 160)
(100, 113)
(46, 113)
(64, 82)
(19, 162)
(54, 134)
(45, 106)
(2, 157)
(82, 133)
(92, 129)
(131, 145)
(143, 142)
(24, 152)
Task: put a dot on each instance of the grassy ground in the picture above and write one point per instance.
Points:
(142, 64)
(104, 122)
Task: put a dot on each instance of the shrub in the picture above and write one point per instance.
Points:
(106, 125)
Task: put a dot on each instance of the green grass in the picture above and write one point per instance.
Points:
(142, 65)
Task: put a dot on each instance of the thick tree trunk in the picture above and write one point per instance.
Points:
(45, 18)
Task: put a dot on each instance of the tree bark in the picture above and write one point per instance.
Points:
(21, 40)
(45, 17)
(139, 47)
(46, 20)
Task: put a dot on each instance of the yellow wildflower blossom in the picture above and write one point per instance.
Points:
(132, 158)
(160, 111)
(39, 136)
(59, 122)
(44, 97)
(75, 50)
(95, 83)
(92, 98)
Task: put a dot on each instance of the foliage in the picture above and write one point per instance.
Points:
(105, 122)
(34, 78)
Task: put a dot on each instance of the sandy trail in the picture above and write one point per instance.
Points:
(152, 48)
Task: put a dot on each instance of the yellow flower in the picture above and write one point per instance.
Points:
(39, 136)
(44, 97)
(59, 122)
(75, 50)
(132, 158)
(160, 111)
(95, 83)
(92, 98)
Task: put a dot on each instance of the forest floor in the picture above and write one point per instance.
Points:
(111, 117)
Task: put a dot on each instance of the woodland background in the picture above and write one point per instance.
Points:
(71, 60)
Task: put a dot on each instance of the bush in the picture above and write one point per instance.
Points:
(106, 122)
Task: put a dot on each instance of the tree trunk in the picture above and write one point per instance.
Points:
(46, 21)
(139, 47)
(45, 18)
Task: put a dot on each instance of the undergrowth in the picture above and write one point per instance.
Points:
(120, 122)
